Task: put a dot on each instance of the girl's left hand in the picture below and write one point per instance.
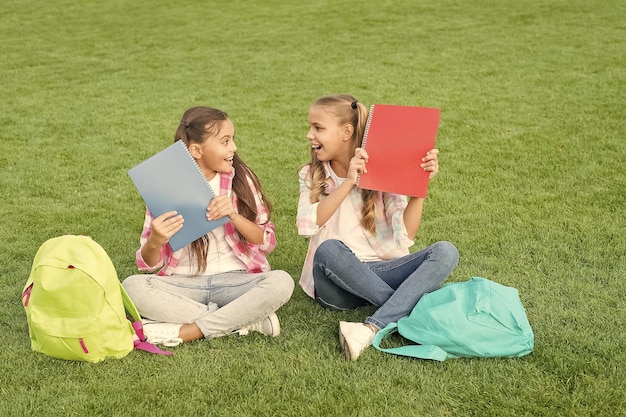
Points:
(430, 162)
(219, 207)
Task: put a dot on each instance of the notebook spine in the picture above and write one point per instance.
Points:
(367, 126)
(365, 132)
(198, 168)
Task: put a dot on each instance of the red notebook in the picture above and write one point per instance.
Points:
(396, 139)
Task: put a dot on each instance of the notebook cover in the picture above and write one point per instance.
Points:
(396, 139)
(171, 180)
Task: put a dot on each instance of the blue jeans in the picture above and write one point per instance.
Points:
(343, 282)
(218, 304)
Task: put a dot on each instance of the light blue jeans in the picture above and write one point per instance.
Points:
(218, 304)
(343, 282)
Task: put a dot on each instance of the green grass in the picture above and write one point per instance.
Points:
(532, 188)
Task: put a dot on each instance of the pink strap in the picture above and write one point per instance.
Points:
(142, 343)
(149, 347)
(138, 326)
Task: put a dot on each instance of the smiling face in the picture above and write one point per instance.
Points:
(215, 154)
(330, 140)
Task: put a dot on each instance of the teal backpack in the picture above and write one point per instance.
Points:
(75, 305)
(476, 318)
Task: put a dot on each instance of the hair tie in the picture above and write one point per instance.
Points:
(186, 123)
(353, 104)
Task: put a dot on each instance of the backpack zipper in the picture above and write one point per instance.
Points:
(82, 345)
(26, 294)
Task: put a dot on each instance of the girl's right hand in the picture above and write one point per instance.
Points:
(357, 165)
(165, 226)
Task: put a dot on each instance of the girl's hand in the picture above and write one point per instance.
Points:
(430, 162)
(219, 207)
(165, 226)
(357, 165)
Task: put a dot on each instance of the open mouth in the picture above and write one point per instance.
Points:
(230, 159)
(316, 147)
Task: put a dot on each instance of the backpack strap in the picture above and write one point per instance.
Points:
(142, 344)
(415, 351)
(133, 314)
(130, 308)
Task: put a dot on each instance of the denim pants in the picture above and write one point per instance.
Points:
(218, 304)
(343, 282)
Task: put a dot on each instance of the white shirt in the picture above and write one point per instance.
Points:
(220, 257)
(348, 229)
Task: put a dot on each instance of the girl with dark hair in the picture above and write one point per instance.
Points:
(221, 283)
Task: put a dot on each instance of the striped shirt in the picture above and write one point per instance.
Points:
(254, 258)
(390, 240)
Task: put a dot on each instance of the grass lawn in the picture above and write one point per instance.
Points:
(532, 189)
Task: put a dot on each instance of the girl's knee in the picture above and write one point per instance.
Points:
(331, 251)
(282, 284)
(133, 283)
(328, 247)
(446, 251)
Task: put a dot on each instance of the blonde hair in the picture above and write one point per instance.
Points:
(347, 110)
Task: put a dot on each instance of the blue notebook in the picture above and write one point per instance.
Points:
(172, 180)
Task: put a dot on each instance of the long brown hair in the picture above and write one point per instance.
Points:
(196, 125)
(347, 110)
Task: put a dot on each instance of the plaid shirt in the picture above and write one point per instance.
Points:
(254, 259)
(390, 240)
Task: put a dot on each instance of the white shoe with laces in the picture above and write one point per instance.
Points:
(159, 333)
(354, 338)
(269, 326)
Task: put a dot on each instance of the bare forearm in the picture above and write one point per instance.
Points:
(250, 230)
(151, 252)
(327, 207)
(413, 216)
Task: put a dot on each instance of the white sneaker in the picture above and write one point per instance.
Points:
(269, 326)
(159, 333)
(354, 338)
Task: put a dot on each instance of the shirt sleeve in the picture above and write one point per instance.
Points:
(262, 219)
(306, 218)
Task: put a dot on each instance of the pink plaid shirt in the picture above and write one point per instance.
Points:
(390, 241)
(254, 259)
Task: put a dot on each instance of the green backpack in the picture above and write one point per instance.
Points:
(476, 318)
(75, 305)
